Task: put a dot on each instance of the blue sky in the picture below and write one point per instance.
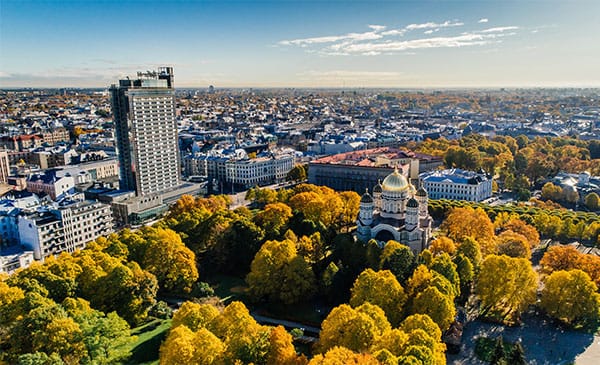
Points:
(444, 43)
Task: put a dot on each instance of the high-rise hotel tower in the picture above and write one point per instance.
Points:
(146, 132)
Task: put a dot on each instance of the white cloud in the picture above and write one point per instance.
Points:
(336, 38)
(435, 42)
(499, 29)
(428, 25)
(377, 28)
(394, 32)
(379, 41)
(483, 20)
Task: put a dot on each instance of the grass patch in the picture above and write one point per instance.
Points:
(228, 286)
(485, 346)
(305, 313)
(149, 337)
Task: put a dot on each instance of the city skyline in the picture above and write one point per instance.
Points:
(405, 44)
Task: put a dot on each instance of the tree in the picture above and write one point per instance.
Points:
(40, 358)
(397, 258)
(423, 322)
(237, 246)
(173, 264)
(518, 226)
(244, 339)
(513, 244)
(559, 258)
(570, 194)
(382, 289)
(297, 173)
(355, 329)
(506, 286)
(571, 296)
(183, 346)
(349, 209)
(423, 278)
(105, 336)
(280, 274)
(422, 332)
(195, 316)
(436, 305)
(443, 265)
(551, 192)
(340, 355)
(281, 349)
(517, 355)
(466, 273)
(442, 244)
(273, 218)
(470, 248)
(498, 356)
(592, 201)
(393, 341)
(468, 222)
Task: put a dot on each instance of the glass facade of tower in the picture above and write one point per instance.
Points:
(146, 132)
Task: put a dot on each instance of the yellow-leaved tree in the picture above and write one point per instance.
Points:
(571, 296)
(382, 289)
(278, 273)
(506, 286)
(355, 329)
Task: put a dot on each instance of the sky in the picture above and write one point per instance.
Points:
(285, 43)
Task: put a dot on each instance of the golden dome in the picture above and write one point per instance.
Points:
(395, 182)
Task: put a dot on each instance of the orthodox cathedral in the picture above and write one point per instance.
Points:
(396, 211)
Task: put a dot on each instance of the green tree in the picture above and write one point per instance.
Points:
(470, 248)
(397, 258)
(498, 356)
(443, 265)
(297, 173)
(517, 355)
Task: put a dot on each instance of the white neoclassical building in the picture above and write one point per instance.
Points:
(395, 211)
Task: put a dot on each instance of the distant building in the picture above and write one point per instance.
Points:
(14, 258)
(50, 158)
(395, 211)
(9, 233)
(146, 132)
(360, 170)
(4, 167)
(65, 227)
(239, 171)
(50, 183)
(457, 184)
(91, 172)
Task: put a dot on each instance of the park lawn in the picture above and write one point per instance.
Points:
(149, 337)
(306, 313)
(230, 287)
